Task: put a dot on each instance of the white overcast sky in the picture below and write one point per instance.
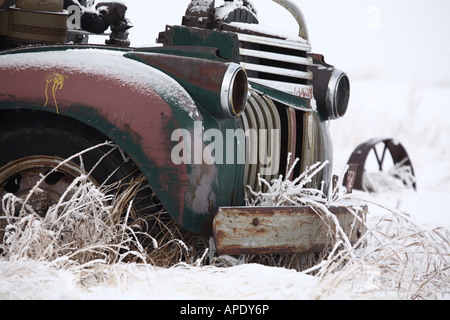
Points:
(397, 39)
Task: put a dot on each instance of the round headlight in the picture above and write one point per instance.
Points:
(234, 93)
(338, 94)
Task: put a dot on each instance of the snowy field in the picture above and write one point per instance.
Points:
(411, 107)
(25, 279)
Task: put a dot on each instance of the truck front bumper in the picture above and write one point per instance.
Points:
(284, 230)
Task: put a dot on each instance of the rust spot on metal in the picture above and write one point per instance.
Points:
(351, 175)
(203, 73)
(136, 136)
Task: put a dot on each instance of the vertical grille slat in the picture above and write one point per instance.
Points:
(262, 126)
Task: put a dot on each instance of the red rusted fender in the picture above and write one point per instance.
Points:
(135, 105)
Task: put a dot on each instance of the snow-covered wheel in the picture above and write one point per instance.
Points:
(377, 162)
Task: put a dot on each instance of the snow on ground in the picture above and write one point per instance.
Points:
(34, 280)
(424, 134)
(419, 118)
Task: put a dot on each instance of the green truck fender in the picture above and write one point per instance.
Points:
(147, 113)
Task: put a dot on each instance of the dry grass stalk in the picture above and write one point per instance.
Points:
(91, 228)
(96, 225)
(285, 192)
(396, 256)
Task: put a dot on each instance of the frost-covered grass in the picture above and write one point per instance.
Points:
(92, 224)
(92, 240)
(397, 257)
(405, 254)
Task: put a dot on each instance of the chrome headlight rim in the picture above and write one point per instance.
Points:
(234, 93)
(338, 94)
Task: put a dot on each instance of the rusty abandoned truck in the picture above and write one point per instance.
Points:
(215, 76)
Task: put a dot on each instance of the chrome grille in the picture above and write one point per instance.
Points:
(263, 145)
(277, 63)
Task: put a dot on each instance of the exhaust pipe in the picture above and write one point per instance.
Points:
(297, 14)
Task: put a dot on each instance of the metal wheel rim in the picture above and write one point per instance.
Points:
(30, 170)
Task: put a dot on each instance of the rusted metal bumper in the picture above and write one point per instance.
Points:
(283, 230)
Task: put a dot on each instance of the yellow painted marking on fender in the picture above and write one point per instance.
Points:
(58, 83)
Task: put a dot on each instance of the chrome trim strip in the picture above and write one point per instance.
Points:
(295, 89)
(277, 71)
(289, 44)
(275, 56)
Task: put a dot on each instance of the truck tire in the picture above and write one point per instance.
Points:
(33, 143)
